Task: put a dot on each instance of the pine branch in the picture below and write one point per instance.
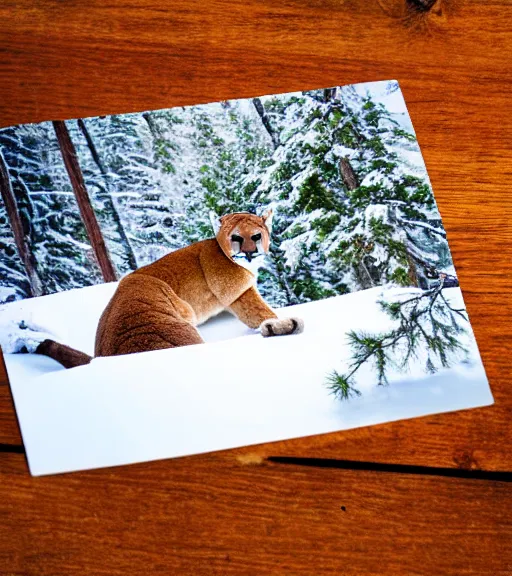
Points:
(425, 320)
(427, 226)
(340, 386)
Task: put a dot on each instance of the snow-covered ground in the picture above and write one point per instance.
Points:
(237, 389)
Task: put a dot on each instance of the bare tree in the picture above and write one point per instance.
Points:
(23, 246)
(153, 128)
(329, 94)
(107, 197)
(70, 158)
(265, 121)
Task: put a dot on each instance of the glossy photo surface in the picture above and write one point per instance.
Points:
(229, 274)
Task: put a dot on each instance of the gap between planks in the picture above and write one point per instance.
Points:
(353, 465)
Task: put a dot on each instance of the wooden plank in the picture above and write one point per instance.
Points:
(130, 56)
(227, 514)
(9, 430)
(231, 512)
(135, 56)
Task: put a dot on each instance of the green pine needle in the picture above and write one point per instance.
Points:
(340, 386)
(424, 319)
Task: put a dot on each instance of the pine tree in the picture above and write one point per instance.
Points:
(228, 150)
(98, 181)
(304, 187)
(53, 230)
(132, 182)
(353, 211)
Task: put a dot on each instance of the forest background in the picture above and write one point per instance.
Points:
(89, 200)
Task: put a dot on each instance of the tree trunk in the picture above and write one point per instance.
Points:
(363, 276)
(155, 132)
(412, 271)
(329, 94)
(132, 261)
(363, 266)
(24, 251)
(281, 277)
(357, 135)
(348, 175)
(266, 122)
(92, 147)
(84, 203)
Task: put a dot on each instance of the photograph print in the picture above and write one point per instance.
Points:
(205, 277)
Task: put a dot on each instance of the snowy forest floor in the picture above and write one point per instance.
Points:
(237, 389)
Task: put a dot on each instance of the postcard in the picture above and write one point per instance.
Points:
(179, 281)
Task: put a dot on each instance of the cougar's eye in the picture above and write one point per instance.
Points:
(256, 237)
(237, 238)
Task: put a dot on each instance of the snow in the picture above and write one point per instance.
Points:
(377, 211)
(340, 151)
(156, 172)
(425, 226)
(148, 189)
(7, 292)
(71, 317)
(238, 389)
(391, 98)
(376, 177)
(411, 157)
(18, 336)
(293, 248)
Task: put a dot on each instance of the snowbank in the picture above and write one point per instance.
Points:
(238, 389)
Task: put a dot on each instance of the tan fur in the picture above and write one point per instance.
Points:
(159, 305)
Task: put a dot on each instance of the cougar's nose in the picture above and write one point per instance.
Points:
(249, 246)
(250, 254)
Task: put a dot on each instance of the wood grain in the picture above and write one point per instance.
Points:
(460, 113)
(128, 56)
(218, 513)
(223, 515)
(9, 430)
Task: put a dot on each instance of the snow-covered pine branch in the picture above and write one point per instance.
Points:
(426, 326)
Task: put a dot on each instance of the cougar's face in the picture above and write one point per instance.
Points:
(245, 238)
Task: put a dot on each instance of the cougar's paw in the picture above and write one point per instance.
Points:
(281, 326)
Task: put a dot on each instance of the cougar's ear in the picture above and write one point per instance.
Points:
(215, 220)
(267, 219)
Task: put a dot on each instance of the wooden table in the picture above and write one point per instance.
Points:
(236, 512)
